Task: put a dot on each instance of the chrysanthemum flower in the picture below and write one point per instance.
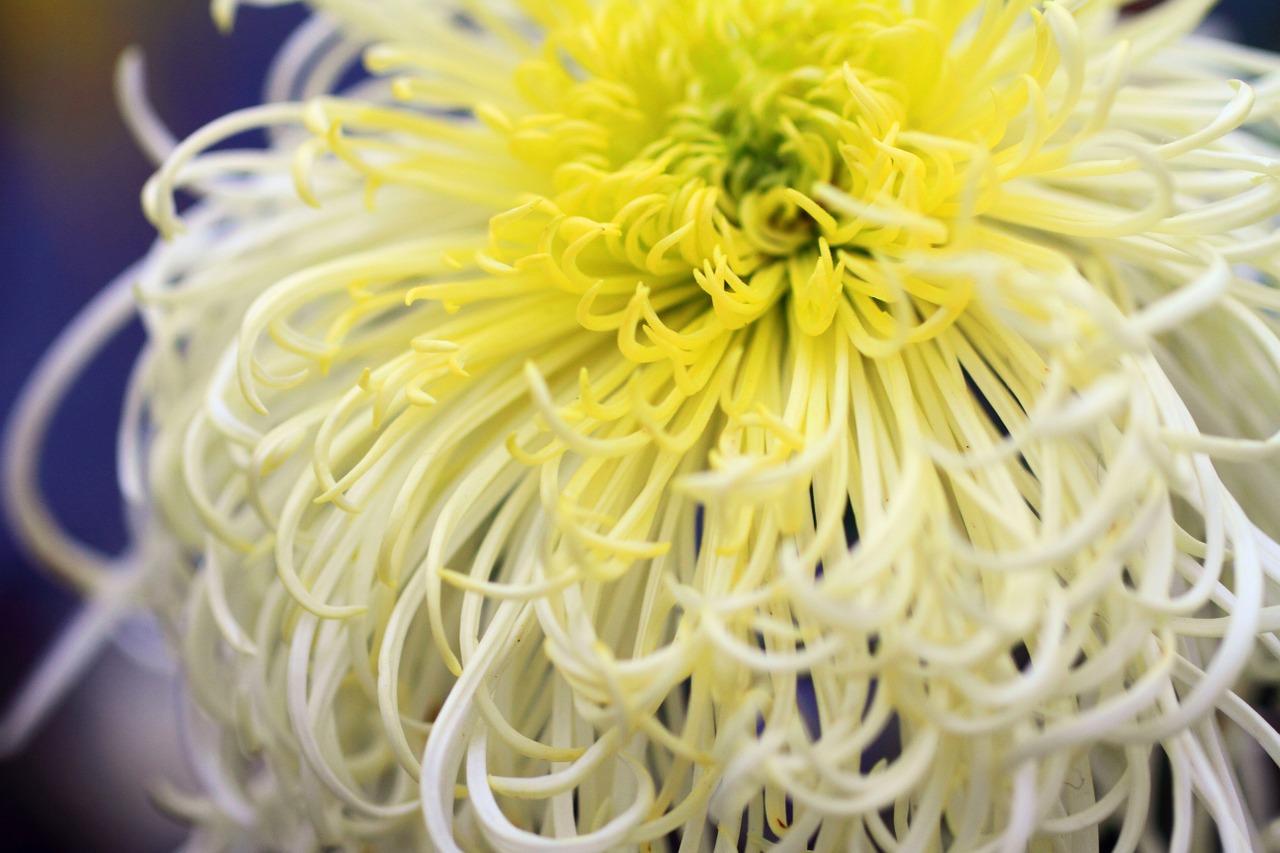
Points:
(712, 425)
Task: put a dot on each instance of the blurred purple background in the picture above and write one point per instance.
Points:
(69, 221)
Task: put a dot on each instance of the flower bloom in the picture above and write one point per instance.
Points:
(712, 425)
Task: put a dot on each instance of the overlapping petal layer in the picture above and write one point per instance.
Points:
(719, 425)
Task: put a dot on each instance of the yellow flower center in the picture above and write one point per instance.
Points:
(774, 150)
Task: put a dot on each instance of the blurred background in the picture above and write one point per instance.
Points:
(70, 221)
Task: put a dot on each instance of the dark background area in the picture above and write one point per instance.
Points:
(69, 221)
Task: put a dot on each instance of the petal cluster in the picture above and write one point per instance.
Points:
(717, 425)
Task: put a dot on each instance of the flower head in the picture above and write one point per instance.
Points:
(707, 425)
